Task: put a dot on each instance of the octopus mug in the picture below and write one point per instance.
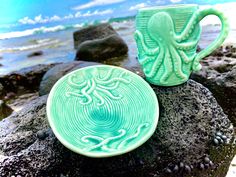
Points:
(167, 39)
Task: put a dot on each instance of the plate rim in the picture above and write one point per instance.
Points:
(78, 150)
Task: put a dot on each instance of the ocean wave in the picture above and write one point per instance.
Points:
(36, 44)
(40, 30)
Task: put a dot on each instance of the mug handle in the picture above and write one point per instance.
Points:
(217, 42)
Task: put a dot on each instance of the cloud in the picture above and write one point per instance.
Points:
(138, 6)
(175, 1)
(96, 12)
(95, 3)
(40, 19)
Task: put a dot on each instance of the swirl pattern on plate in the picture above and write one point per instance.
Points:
(102, 111)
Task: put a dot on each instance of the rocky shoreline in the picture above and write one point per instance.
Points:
(194, 137)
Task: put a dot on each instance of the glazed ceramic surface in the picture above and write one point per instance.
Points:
(167, 39)
(102, 111)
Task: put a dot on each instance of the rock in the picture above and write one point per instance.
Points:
(24, 80)
(228, 50)
(5, 110)
(35, 54)
(1, 65)
(100, 50)
(92, 32)
(55, 73)
(189, 119)
(218, 74)
(2, 91)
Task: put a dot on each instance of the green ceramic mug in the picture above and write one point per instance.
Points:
(167, 39)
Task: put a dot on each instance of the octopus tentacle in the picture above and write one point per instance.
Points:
(146, 60)
(74, 94)
(186, 58)
(139, 37)
(108, 75)
(168, 67)
(157, 64)
(108, 93)
(85, 94)
(72, 83)
(92, 88)
(145, 125)
(113, 80)
(98, 96)
(106, 141)
(185, 45)
(177, 62)
(188, 29)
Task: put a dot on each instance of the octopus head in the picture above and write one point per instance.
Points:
(161, 27)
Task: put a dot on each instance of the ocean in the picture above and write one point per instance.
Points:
(56, 42)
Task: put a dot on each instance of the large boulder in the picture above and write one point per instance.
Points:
(24, 80)
(218, 74)
(183, 144)
(92, 32)
(55, 73)
(100, 50)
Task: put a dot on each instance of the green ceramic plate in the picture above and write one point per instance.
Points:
(102, 111)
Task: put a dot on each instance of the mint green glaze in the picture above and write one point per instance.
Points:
(102, 111)
(167, 39)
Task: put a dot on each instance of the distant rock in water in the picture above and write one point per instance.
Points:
(98, 43)
(190, 119)
(55, 73)
(92, 32)
(99, 50)
(5, 110)
(1, 57)
(35, 54)
(1, 65)
(218, 74)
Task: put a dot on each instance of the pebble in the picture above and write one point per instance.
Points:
(211, 163)
(224, 137)
(181, 165)
(41, 134)
(218, 133)
(217, 137)
(201, 166)
(168, 170)
(187, 168)
(207, 160)
(216, 141)
(176, 168)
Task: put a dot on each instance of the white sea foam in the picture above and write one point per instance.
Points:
(36, 44)
(40, 30)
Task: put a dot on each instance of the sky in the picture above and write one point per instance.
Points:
(34, 13)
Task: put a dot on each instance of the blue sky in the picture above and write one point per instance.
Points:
(28, 13)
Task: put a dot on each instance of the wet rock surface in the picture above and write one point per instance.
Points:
(5, 110)
(55, 73)
(93, 32)
(23, 81)
(190, 119)
(102, 49)
(218, 74)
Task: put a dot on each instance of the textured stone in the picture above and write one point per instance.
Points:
(189, 119)
(218, 74)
